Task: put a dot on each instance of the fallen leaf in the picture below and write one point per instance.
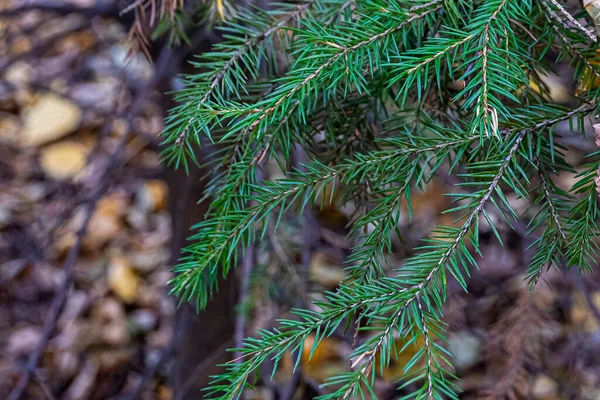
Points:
(328, 359)
(49, 118)
(581, 315)
(152, 196)
(589, 78)
(143, 320)
(9, 127)
(395, 370)
(558, 92)
(593, 9)
(122, 279)
(325, 271)
(63, 160)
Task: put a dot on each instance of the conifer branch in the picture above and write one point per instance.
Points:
(374, 100)
(570, 19)
(485, 108)
(217, 77)
(551, 16)
(281, 98)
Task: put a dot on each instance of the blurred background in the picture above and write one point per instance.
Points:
(91, 223)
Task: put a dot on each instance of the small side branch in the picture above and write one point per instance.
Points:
(570, 20)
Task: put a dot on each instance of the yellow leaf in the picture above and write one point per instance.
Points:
(590, 79)
(63, 160)
(49, 118)
(122, 280)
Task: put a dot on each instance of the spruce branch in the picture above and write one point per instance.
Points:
(569, 19)
(218, 76)
(383, 98)
(572, 48)
(490, 115)
(294, 87)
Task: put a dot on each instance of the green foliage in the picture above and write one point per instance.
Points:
(381, 75)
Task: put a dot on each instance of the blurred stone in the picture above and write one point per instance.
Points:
(108, 309)
(109, 317)
(143, 320)
(148, 260)
(23, 341)
(49, 118)
(20, 45)
(558, 91)
(329, 358)
(97, 95)
(63, 160)
(115, 333)
(19, 73)
(166, 393)
(544, 388)
(122, 279)
(105, 225)
(160, 338)
(466, 349)
(137, 66)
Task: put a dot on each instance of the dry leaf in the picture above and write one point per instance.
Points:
(558, 92)
(153, 195)
(49, 118)
(593, 8)
(395, 370)
(325, 270)
(63, 160)
(581, 315)
(220, 9)
(9, 127)
(122, 279)
(590, 78)
(328, 359)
